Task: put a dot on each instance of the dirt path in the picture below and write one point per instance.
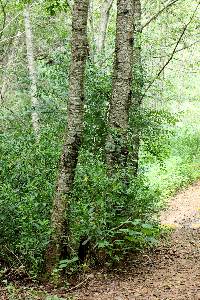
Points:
(171, 272)
(184, 209)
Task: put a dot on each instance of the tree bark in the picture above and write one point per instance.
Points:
(91, 32)
(118, 120)
(32, 71)
(103, 24)
(73, 135)
(137, 87)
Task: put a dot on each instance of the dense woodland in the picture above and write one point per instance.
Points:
(99, 125)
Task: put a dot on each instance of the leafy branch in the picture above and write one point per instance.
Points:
(173, 52)
(158, 13)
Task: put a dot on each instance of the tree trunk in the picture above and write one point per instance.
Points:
(137, 88)
(32, 71)
(91, 32)
(118, 120)
(103, 24)
(73, 136)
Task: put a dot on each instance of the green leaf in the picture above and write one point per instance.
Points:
(103, 244)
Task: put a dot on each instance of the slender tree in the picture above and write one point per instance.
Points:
(118, 119)
(73, 135)
(137, 87)
(32, 71)
(103, 24)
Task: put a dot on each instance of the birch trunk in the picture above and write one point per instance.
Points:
(118, 120)
(73, 136)
(32, 71)
(103, 24)
(138, 85)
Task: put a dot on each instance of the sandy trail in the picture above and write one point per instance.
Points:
(184, 209)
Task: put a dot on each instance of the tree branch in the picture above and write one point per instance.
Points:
(12, 20)
(178, 50)
(173, 52)
(158, 13)
(187, 46)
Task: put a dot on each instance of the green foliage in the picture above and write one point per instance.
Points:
(98, 92)
(182, 166)
(118, 218)
(100, 205)
(28, 175)
(55, 6)
(15, 293)
(157, 127)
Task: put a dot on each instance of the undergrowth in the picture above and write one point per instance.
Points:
(109, 217)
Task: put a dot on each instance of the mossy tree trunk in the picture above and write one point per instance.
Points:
(138, 82)
(117, 149)
(73, 138)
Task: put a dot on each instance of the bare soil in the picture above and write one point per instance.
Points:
(169, 272)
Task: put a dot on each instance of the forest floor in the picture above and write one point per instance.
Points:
(169, 272)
